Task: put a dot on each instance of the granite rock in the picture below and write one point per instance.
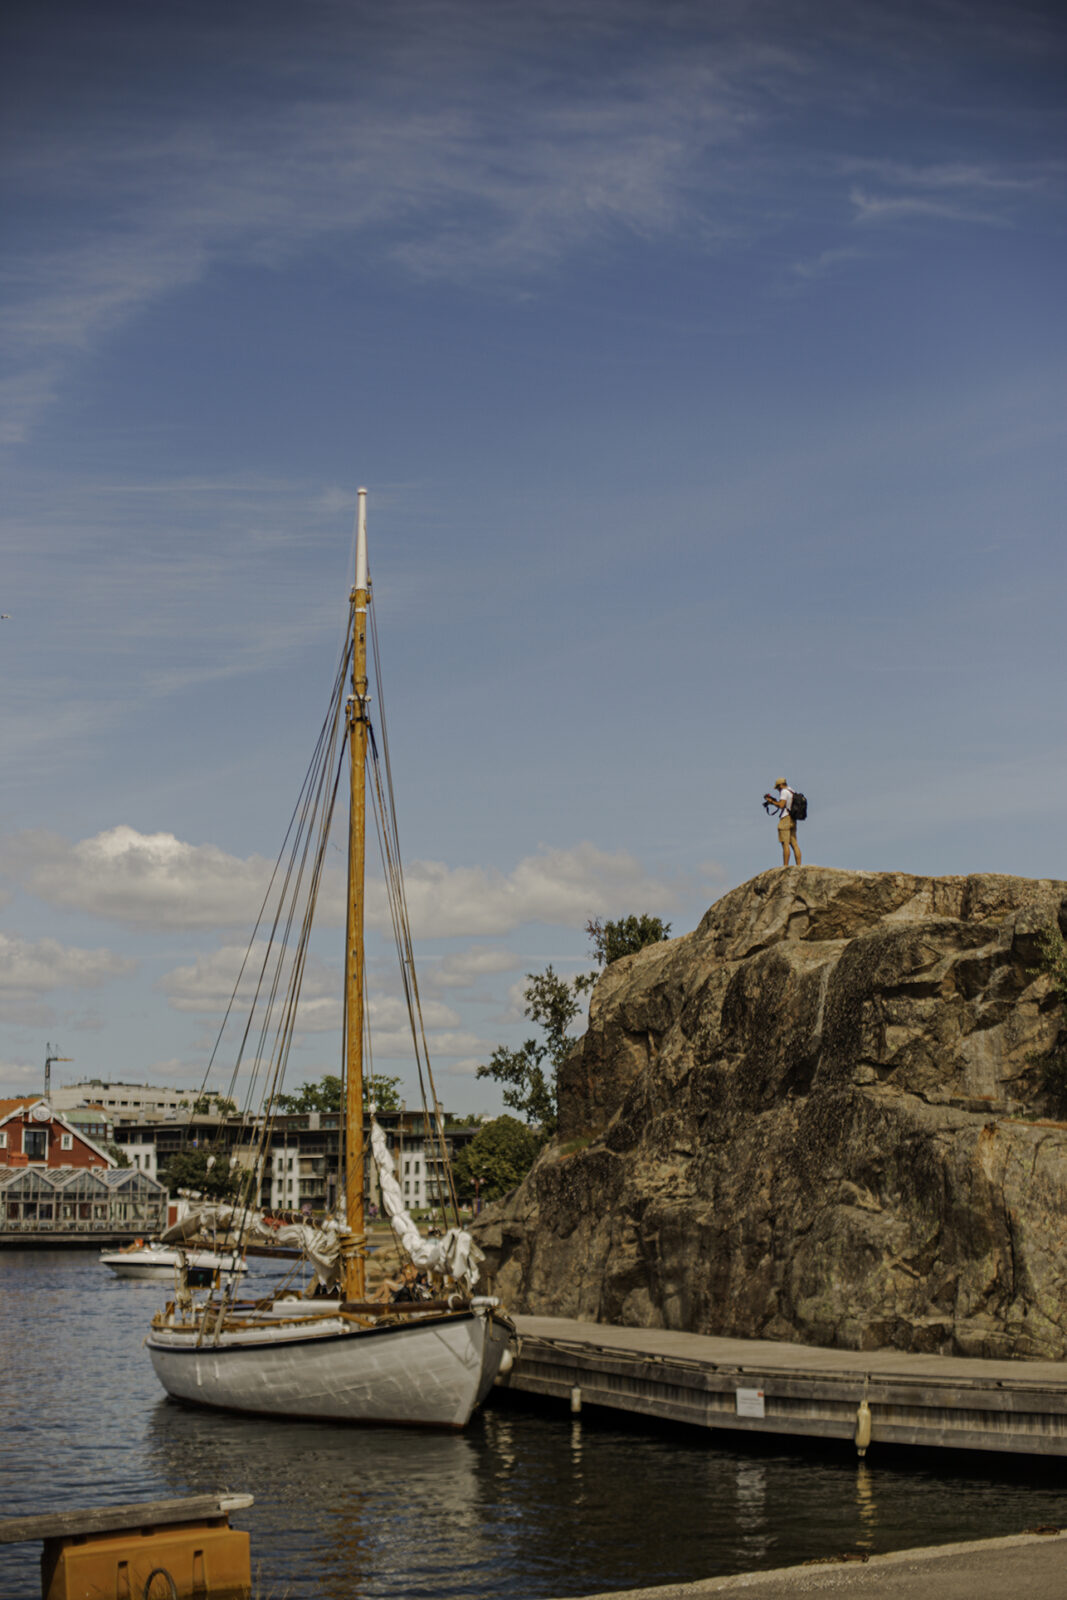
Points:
(816, 1117)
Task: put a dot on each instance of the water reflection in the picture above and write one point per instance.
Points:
(528, 1501)
(866, 1506)
(751, 1511)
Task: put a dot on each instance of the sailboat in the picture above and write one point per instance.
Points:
(340, 1355)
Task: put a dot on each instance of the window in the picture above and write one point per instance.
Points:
(66, 1141)
(35, 1143)
(3, 1141)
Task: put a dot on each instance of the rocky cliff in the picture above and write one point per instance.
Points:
(816, 1117)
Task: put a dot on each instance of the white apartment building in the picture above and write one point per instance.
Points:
(126, 1101)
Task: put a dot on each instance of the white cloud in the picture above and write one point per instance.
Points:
(895, 208)
(463, 969)
(28, 971)
(449, 157)
(141, 880)
(557, 886)
(20, 1077)
(46, 965)
(159, 881)
(395, 1044)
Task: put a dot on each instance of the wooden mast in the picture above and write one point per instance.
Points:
(355, 1263)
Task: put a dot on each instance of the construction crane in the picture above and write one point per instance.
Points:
(48, 1060)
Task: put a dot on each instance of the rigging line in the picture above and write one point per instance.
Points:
(376, 654)
(409, 979)
(312, 792)
(432, 1125)
(315, 820)
(293, 904)
(405, 950)
(299, 812)
(279, 1052)
(284, 1037)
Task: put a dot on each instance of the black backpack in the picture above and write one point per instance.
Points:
(799, 809)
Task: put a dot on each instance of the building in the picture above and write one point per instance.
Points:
(126, 1102)
(57, 1186)
(32, 1133)
(303, 1159)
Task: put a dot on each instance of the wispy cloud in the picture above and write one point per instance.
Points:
(29, 970)
(465, 968)
(454, 140)
(875, 208)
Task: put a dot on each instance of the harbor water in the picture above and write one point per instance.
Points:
(528, 1502)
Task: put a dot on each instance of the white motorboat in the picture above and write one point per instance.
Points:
(345, 1358)
(156, 1260)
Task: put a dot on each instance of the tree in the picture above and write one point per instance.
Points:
(610, 940)
(529, 1073)
(118, 1155)
(210, 1175)
(328, 1095)
(221, 1104)
(496, 1160)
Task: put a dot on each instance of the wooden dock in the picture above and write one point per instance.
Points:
(866, 1397)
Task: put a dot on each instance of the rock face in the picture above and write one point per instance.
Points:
(814, 1118)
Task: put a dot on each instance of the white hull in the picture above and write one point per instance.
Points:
(160, 1264)
(431, 1370)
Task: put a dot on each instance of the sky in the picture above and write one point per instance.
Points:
(704, 365)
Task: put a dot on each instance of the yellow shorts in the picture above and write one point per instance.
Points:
(787, 828)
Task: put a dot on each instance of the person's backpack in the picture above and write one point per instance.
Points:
(799, 809)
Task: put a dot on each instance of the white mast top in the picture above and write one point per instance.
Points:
(361, 541)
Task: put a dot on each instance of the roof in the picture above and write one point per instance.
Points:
(11, 1108)
(97, 1180)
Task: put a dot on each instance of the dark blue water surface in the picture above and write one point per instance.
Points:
(525, 1503)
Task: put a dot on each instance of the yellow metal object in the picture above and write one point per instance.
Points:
(186, 1561)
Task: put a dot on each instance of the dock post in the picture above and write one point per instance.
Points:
(576, 1401)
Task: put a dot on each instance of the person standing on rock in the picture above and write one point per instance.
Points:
(787, 825)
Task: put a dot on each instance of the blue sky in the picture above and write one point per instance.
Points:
(705, 368)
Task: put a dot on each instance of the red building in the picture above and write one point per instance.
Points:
(33, 1135)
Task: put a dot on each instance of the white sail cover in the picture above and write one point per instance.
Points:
(455, 1255)
(322, 1246)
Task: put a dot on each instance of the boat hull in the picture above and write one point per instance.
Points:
(429, 1371)
(159, 1265)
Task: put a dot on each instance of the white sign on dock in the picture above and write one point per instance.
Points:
(750, 1402)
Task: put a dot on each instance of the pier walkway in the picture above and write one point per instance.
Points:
(759, 1386)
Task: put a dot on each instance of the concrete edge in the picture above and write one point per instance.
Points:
(753, 1582)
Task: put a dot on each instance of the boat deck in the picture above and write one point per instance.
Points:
(760, 1386)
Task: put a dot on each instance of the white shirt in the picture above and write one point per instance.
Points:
(786, 794)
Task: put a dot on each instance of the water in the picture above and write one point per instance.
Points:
(526, 1502)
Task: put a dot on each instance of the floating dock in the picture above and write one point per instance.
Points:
(868, 1397)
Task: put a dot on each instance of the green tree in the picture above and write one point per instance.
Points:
(328, 1095)
(219, 1104)
(190, 1169)
(118, 1155)
(610, 940)
(498, 1157)
(529, 1073)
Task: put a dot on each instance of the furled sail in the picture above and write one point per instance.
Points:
(455, 1255)
(322, 1246)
